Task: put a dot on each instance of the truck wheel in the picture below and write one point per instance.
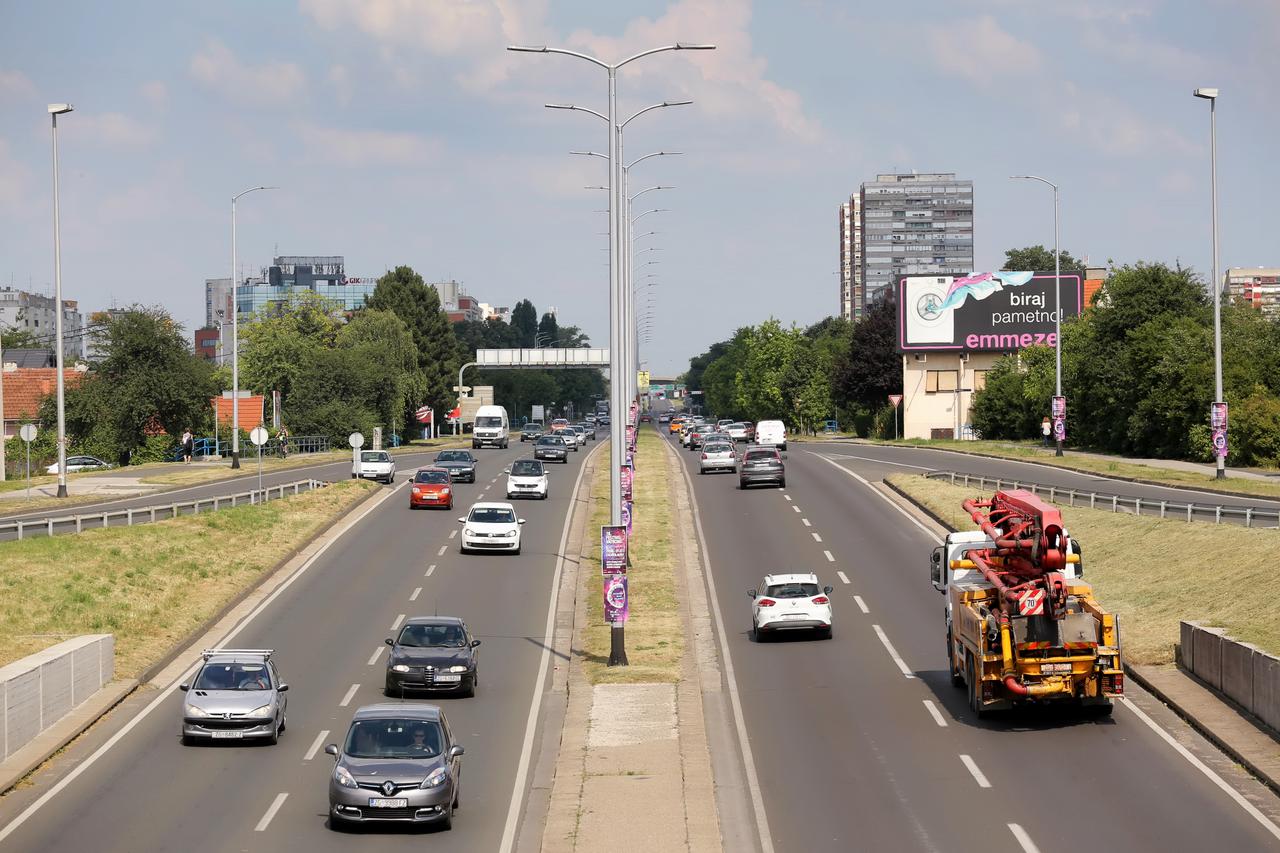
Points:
(957, 680)
(975, 688)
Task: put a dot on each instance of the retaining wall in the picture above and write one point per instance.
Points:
(40, 689)
(1242, 672)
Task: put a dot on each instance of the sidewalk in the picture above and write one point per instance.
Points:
(99, 486)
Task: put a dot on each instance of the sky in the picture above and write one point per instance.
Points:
(403, 132)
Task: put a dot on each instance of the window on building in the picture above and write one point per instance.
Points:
(941, 381)
(979, 380)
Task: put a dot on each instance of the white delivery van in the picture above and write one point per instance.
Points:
(771, 434)
(491, 427)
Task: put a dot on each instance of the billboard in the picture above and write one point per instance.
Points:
(999, 311)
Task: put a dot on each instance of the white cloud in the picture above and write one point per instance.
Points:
(1114, 127)
(359, 148)
(340, 79)
(114, 129)
(982, 51)
(156, 93)
(15, 84)
(270, 83)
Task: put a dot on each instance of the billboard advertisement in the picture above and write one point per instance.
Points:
(990, 311)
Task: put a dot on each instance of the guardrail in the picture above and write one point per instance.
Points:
(1215, 513)
(51, 526)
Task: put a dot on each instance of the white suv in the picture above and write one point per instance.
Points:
(375, 465)
(788, 603)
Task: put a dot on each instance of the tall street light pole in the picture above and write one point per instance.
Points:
(1057, 304)
(56, 110)
(235, 334)
(1211, 95)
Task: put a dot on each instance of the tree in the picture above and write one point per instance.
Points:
(387, 354)
(871, 368)
(1001, 410)
(276, 346)
(403, 292)
(1040, 259)
(548, 331)
(524, 320)
(699, 363)
(22, 339)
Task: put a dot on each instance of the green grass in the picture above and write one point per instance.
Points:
(655, 633)
(1155, 573)
(153, 584)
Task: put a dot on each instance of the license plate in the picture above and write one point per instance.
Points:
(1055, 667)
(385, 803)
(227, 735)
(449, 677)
(795, 616)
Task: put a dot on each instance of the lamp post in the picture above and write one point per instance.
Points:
(56, 110)
(1057, 305)
(1211, 95)
(235, 334)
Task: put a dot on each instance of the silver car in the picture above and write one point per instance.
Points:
(717, 456)
(237, 694)
(399, 763)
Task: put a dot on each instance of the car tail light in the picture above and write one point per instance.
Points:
(822, 599)
(766, 602)
(704, 456)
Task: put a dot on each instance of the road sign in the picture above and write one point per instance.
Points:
(258, 435)
(895, 399)
(356, 440)
(423, 415)
(28, 433)
(1031, 602)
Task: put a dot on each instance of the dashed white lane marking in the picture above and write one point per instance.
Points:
(494, 480)
(830, 559)
(796, 508)
(806, 522)
(395, 626)
(452, 534)
(787, 496)
(972, 766)
(374, 657)
(816, 538)
(893, 653)
(843, 577)
(351, 692)
(271, 811)
(443, 548)
(1028, 846)
(315, 745)
(416, 592)
(935, 713)
(862, 605)
(431, 568)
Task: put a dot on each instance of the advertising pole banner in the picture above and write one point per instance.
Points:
(1059, 412)
(626, 482)
(617, 608)
(1218, 425)
(631, 437)
(613, 549)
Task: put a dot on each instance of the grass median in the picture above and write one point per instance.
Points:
(154, 584)
(655, 635)
(1155, 573)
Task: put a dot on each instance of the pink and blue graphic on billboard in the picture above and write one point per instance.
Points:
(988, 311)
(1218, 428)
(613, 549)
(616, 606)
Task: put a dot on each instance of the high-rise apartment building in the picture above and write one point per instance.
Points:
(915, 224)
(1256, 286)
(34, 313)
(850, 225)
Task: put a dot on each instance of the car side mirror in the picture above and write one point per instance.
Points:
(283, 688)
(462, 521)
(506, 470)
(331, 749)
(752, 593)
(828, 590)
(520, 521)
(475, 643)
(456, 750)
(389, 641)
(935, 569)
(184, 687)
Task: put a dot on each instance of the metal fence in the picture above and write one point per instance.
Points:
(51, 526)
(206, 447)
(1214, 513)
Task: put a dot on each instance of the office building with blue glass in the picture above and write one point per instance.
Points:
(292, 275)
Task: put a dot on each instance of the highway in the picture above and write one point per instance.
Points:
(147, 792)
(861, 742)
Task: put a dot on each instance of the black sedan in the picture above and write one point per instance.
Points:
(460, 464)
(551, 447)
(762, 465)
(432, 653)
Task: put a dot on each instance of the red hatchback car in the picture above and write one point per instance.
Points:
(431, 487)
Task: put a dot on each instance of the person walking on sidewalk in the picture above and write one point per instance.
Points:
(283, 437)
(188, 445)
(1046, 430)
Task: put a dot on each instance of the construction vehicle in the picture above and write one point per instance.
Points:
(1022, 625)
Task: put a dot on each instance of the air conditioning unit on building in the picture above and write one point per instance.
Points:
(920, 357)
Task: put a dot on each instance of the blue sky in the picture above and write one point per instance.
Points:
(402, 132)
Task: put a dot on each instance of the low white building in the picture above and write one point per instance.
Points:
(937, 392)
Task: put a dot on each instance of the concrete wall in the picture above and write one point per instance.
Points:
(40, 689)
(1242, 672)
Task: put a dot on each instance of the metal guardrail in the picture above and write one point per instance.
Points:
(28, 528)
(1215, 513)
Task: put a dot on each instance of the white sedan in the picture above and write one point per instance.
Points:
(79, 463)
(490, 527)
(789, 603)
(527, 478)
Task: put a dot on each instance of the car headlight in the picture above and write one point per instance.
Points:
(399, 668)
(343, 777)
(417, 491)
(509, 534)
(436, 778)
(193, 711)
(467, 531)
(457, 669)
(263, 711)
(445, 490)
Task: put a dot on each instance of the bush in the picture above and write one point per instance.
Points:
(1254, 430)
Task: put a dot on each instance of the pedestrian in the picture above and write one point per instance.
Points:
(188, 445)
(1046, 429)
(283, 437)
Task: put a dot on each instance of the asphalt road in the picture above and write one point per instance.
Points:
(149, 793)
(861, 742)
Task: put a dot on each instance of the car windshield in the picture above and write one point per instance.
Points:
(492, 515)
(759, 455)
(233, 676)
(489, 421)
(394, 738)
(792, 590)
(374, 456)
(718, 448)
(526, 468)
(437, 477)
(532, 427)
(432, 636)
(736, 426)
(551, 439)
(453, 456)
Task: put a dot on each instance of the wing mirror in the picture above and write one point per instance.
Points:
(456, 750)
(462, 521)
(184, 687)
(389, 641)
(753, 593)
(331, 749)
(283, 688)
(506, 470)
(827, 589)
(520, 521)
(935, 569)
(475, 643)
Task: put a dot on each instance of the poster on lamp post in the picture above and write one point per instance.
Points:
(616, 606)
(631, 438)
(1218, 426)
(613, 549)
(1059, 413)
(625, 477)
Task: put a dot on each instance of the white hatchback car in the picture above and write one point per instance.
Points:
(527, 478)
(375, 465)
(788, 603)
(717, 456)
(491, 527)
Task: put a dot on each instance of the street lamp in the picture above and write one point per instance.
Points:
(1057, 308)
(235, 334)
(1211, 95)
(56, 110)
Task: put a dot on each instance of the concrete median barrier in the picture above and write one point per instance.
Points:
(40, 689)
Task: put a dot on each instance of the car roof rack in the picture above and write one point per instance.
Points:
(264, 653)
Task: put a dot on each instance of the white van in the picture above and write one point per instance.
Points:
(491, 427)
(771, 434)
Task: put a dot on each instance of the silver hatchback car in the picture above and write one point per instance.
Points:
(399, 763)
(717, 456)
(237, 694)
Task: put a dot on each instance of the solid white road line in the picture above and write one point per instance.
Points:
(1028, 846)
(816, 537)
(883, 461)
(431, 568)
(395, 626)
(374, 658)
(843, 577)
(806, 522)
(535, 701)
(351, 692)
(163, 694)
(977, 774)
(271, 811)
(883, 497)
(315, 745)
(830, 558)
(443, 548)
(893, 653)
(453, 533)
(1203, 768)
(935, 713)
(862, 605)
(417, 592)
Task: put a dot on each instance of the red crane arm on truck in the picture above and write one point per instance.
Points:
(1029, 553)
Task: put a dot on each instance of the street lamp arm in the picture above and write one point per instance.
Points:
(523, 48)
(591, 154)
(676, 46)
(1034, 178)
(235, 197)
(577, 108)
(637, 115)
(654, 154)
(648, 190)
(647, 212)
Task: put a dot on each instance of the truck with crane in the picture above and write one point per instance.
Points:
(1023, 627)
